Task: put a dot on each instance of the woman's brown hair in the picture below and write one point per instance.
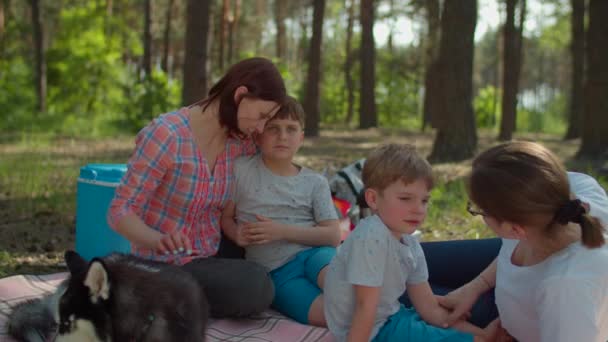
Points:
(262, 79)
(525, 183)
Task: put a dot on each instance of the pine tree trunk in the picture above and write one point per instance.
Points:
(432, 47)
(348, 64)
(223, 33)
(195, 61)
(577, 50)
(456, 137)
(595, 121)
(367, 108)
(167, 37)
(312, 99)
(39, 51)
(281, 42)
(511, 68)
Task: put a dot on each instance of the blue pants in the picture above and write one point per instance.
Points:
(407, 325)
(295, 282)
(452, 264)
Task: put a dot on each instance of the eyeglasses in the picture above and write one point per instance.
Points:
(474, 210)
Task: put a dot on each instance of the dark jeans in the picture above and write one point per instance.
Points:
(234, 287)
(452, 264)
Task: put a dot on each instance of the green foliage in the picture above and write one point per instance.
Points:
(487, 107)
(398, 88)
(154, 95)
(17, 97)
(551, 120)
(447, 215)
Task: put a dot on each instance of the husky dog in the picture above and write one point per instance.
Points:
(115, 298)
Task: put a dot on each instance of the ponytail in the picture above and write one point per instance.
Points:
(592, 231)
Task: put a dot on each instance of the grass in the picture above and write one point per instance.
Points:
(38, 176)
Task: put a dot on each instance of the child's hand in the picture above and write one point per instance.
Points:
(174, 243)
(263, 231)
(242, 240)
(458, 302)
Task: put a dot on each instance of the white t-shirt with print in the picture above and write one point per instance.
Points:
(371, 256)
(565, 297)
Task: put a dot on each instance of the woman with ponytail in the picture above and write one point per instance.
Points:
(551, 274)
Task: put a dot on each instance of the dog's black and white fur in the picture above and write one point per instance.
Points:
(115, 298)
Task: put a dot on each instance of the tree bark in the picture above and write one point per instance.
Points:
(281, 42)
(195, 61)
(594, 143)
(456, 137)
(348, 64)
(367, 101)
(577, 50)
(147, 61)
(233, 32)
(223, 33)
(512, 43)
(167, 37)
(312, 98)
(40, 54)
(433, 9)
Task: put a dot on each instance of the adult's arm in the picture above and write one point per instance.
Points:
(146, 168)
(461, 300)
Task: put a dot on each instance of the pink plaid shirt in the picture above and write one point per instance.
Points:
(168, 184)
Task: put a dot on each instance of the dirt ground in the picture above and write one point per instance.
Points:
(34, 232)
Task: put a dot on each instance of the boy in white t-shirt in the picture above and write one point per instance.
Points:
(380, 260)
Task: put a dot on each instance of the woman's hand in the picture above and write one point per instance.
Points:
(495, 332)
(174, 243)
(263, 231)
(460, 301)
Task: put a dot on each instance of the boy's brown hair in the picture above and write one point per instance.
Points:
(291, 110)
(392, 162)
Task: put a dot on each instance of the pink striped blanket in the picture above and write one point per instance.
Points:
(268, 326)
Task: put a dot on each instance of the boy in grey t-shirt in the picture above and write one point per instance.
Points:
(284, 216)
(380, 260)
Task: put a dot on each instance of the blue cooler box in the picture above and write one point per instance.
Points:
(96, 186)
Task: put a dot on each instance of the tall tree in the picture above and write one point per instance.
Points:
(312, 98)
(456, 137)
(233, 32)
(147, 62)
(39, 52)
(167, 36)
(280, 12)
(577, 51)
(512, 45)
(367, 101)
(595, 119)
(195, 61)
(348, 63)
(1, 19)
(223, 33)
(433, 10)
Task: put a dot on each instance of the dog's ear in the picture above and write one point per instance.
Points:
(76, 264)
(97, 281)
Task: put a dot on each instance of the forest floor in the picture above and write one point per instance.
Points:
(38, 186)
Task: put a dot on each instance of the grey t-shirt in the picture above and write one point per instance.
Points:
(301, 200)
(371, 256)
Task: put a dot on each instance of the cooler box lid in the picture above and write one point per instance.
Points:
(103, 173)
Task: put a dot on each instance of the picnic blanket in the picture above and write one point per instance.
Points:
(267, 326)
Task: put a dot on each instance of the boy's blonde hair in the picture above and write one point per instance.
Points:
(292, 110)
(392, 162)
